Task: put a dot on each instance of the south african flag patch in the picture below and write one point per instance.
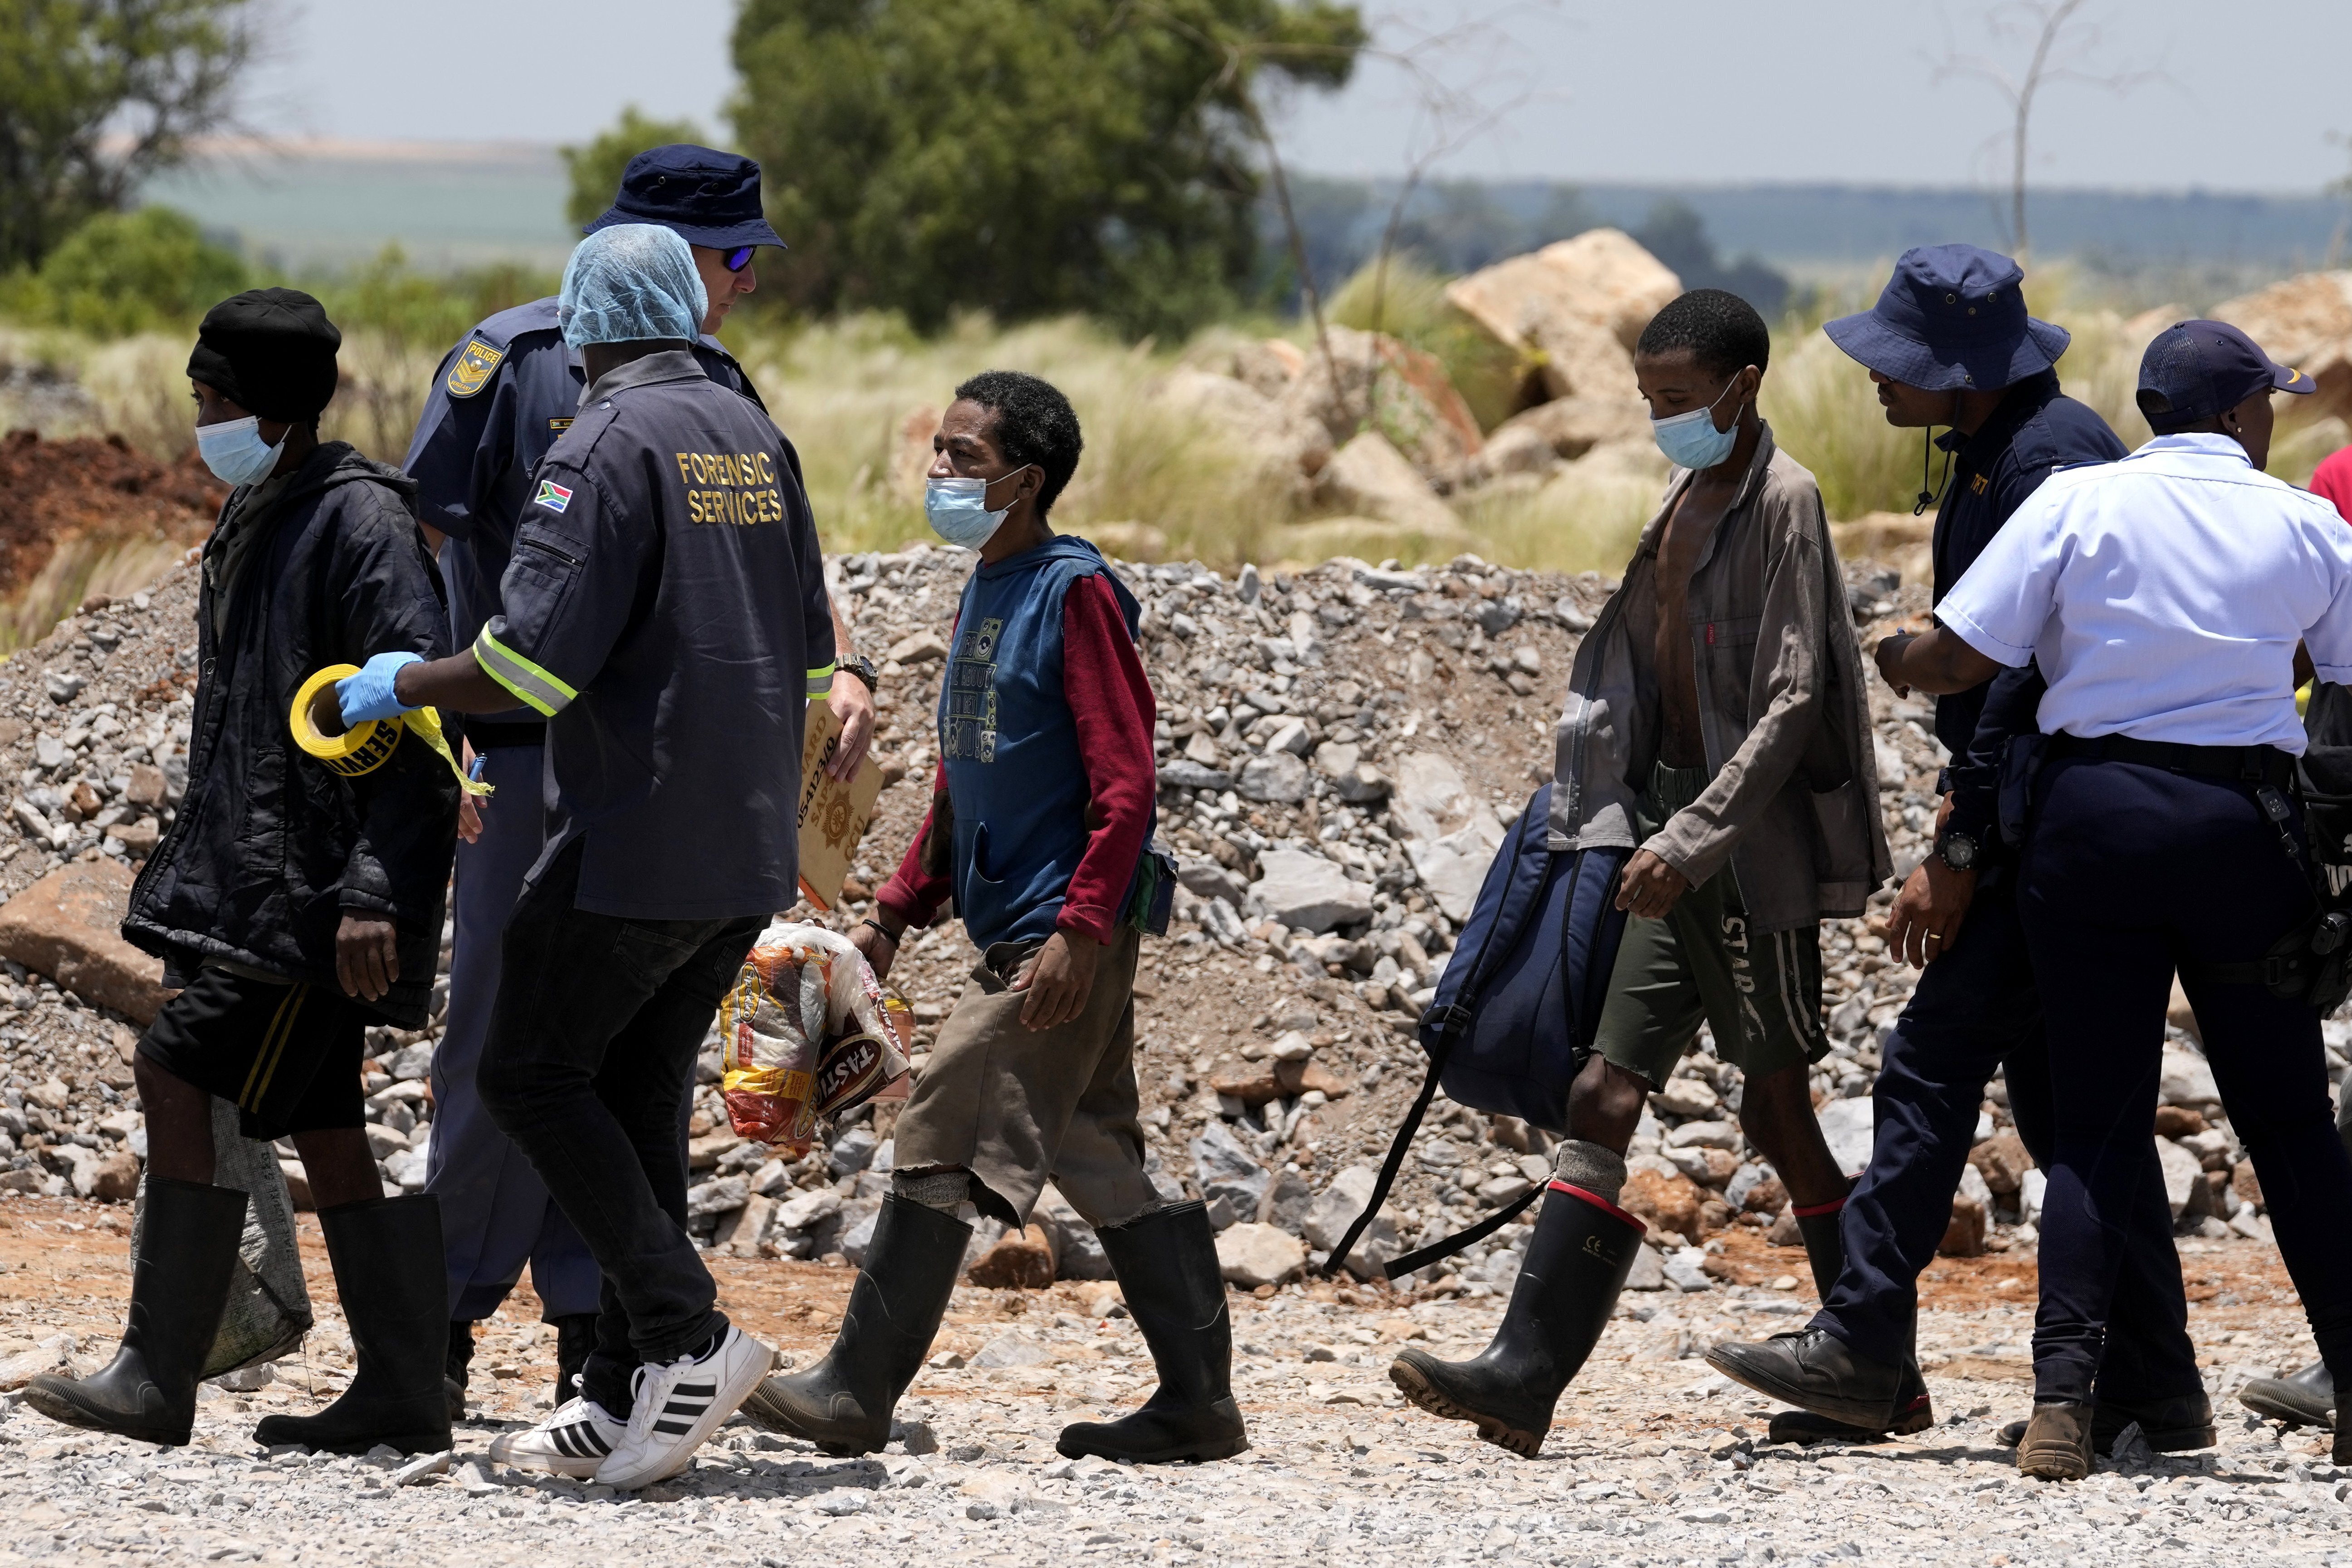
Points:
(553, 496)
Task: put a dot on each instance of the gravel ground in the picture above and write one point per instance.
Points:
(1654, 1459)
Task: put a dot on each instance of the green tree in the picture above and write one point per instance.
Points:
(595, 169)
(95, 96)
(1026, 157)
(121, 273)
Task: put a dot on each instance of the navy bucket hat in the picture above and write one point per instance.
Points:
(708, 198)
(1952, 317)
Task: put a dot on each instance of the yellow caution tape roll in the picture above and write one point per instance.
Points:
(366, 745)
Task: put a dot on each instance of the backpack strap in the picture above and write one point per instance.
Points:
(1451, 1022)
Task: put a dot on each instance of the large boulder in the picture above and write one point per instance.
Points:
(1227, 1170)
(1575, 308)
(1569, 427)
(1276, 440)
(1303, 890)
(1849, 1127)
(2305, 321)
(1384, 385)
(69, 926)
(1370, 477)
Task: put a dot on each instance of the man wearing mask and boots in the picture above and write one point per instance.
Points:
(1949, 343)
(500, 399)
(293, 905)
(1716, 725)
(1040, 826)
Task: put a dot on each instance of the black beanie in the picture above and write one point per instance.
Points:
(271, 352)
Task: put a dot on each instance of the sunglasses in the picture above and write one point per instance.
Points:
(740, 257)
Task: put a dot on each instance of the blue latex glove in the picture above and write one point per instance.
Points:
(368, 694)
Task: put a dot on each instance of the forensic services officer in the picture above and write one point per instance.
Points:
(2163, 597)
(500, 401)
(1949, 342)
(664, 611)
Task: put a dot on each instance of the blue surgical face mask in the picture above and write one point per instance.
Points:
(234, 451)
(1691, 441)
(958, 509)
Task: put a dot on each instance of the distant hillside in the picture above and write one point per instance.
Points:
(460, 203)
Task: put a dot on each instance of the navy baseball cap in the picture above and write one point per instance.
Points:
(1953, 316)
(2194, 369)
(708, 198)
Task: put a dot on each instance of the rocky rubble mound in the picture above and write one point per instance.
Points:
(1340, 750)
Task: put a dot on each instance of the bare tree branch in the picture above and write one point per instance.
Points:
(2063, 48)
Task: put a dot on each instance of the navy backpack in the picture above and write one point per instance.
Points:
(1518, 1005)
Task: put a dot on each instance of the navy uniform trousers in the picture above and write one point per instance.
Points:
(495, 1215)
(1976, 1009)
(2127, 871)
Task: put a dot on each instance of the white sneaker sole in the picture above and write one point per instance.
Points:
(547, 1462)
(628, 1472)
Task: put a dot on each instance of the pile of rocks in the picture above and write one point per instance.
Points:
(1341, 750)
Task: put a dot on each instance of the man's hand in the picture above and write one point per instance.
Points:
(1059, 979)
(881, 948)
(1925, 921)
(853, 706)
(1649, 886)
(367, 956)
(1888, 656)
(469, 805)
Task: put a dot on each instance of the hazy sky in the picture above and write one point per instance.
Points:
(1698, 91)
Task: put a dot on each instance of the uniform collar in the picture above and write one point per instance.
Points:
(2023, 400)
(2205, 443)
(669, 364)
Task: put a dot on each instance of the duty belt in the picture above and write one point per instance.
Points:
(2245, 765)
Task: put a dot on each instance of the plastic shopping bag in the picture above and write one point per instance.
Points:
(806, 1033)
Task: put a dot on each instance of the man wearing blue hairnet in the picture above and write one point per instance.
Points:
(500, 399)
(665, 612)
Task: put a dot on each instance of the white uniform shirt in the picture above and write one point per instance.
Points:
(2163, 596)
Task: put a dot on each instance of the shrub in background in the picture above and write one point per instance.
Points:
(121, 273)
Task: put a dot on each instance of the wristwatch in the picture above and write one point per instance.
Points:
(1958, 850)
(864, 669)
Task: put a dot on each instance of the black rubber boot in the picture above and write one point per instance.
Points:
(842, 1404)
(2306, 1398)
(2179, 1424)
(1576, 1264)
(396, 1299)
(1166, 1268)
(179, 1288)
(575, 1338)
(456, 1367)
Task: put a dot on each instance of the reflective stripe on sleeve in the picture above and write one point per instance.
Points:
(536, 687)
(819, 681)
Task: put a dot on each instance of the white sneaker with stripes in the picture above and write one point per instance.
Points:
(679, 1405)
(572, 1442)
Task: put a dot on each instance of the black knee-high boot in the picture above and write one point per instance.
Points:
(1576, 1264)
(395, 1298)
(179, 1288)
(1166, 1268)
(842, 1404)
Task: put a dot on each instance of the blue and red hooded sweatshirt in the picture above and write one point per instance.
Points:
(1045, 752)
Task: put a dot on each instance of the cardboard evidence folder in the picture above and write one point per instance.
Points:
(833, 815)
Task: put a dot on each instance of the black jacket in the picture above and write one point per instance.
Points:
(271, 846)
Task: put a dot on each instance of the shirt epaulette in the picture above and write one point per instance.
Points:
(501, 330)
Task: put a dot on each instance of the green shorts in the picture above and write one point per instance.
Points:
(1760, 993)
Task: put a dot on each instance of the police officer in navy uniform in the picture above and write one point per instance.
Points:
(500, 399)
(1949, 343)
(2164, 597)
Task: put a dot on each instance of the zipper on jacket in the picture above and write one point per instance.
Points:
(546, 549)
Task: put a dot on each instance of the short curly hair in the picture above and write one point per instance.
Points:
(1035, 424)
(1721, 331)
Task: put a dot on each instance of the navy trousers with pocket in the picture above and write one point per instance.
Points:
(2129, 870)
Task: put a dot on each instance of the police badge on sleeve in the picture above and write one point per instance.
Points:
(472, 372)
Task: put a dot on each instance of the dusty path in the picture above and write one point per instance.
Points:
(1655, 1460)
